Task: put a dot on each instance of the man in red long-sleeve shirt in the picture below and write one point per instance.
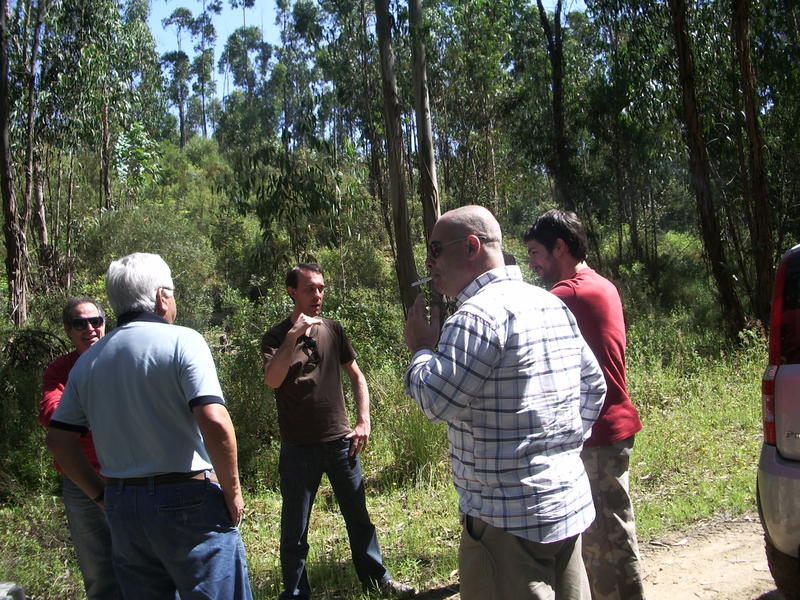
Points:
(557, 248)
(84, 323)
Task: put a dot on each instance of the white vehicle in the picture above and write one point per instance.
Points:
(778, 488)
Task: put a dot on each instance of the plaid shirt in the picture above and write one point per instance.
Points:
(519, 389)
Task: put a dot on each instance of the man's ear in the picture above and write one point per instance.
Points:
(559, 248)
(161, 303)
(291, 291)
(474, 243)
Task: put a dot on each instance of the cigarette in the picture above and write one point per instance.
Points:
(421, 281)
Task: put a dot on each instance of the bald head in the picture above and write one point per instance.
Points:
(474, 220)
(467, 242)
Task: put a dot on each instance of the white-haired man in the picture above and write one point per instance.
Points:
(167, 449)
(519, 390)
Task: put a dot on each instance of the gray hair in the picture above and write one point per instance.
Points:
(133, 281)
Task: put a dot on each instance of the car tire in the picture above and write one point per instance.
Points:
(785, 570)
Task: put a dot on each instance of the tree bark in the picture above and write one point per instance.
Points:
(13, 232)
(560, 166)
(426, 161)
(404, 263)
(761, 238)
(700, 172)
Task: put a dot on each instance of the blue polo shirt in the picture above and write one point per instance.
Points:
(135, 389)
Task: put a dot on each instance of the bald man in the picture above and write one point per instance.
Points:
(519, 390)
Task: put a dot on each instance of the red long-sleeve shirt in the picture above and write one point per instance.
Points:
(53, 383)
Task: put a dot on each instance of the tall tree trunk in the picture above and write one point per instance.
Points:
(70, 200)
(404, 263)
(13, 232)
(761, 238)
(105, 160)
(560, 165)
(45, 249)
(700, 171)
(374, 141)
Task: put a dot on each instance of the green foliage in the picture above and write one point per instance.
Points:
(240, 369)
(24, 463)
(160, 230)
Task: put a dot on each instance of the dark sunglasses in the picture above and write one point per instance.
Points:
(84, 322)
(435, 248)
(309, 346)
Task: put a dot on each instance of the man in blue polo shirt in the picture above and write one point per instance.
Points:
(166, 445)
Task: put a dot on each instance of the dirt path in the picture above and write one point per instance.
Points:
(722, 559)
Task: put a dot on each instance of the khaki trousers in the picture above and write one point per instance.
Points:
(497, 565)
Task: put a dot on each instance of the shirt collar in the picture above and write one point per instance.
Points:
(505, 273)
(134, 315)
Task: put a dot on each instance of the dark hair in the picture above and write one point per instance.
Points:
(293, 274)
(508, 258)
(66, 315)
(558, 224)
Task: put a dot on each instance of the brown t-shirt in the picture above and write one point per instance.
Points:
(310, 400)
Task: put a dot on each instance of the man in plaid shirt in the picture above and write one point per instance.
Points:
(519, 389)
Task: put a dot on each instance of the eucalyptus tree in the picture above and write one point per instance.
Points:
(13, 221)
(426, 161)
(296, 76)
(700, 171)
(176, 63)
(204, 35)
(404, 259)
(760, 219)
(83, 71)
(632, 130)
(244, 53)
(776, 52)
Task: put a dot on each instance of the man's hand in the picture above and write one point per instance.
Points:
(359, 438)
(419, 333)
(302, 326)
(235, 504)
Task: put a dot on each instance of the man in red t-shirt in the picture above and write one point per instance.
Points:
(84, 324)
(557, 248)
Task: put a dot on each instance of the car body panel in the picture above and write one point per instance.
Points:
(779, 463)
(779, 495)
(787, 413)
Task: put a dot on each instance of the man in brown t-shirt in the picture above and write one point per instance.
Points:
(303, 358)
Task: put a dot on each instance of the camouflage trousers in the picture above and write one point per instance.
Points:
(610, 549)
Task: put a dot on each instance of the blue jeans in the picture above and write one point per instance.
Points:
(301, 467)
(176, 536)
(91, 537)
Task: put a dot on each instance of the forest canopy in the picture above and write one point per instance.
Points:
(655, 121)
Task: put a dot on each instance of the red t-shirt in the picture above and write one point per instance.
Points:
(53, 383)
(595, 302)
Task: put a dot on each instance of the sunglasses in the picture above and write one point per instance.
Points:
(86, 322)
(309, 347)
(435, 248)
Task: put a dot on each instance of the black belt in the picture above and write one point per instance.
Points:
(163, 478)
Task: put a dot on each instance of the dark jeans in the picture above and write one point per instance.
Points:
(301, 468)
(176, 537)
